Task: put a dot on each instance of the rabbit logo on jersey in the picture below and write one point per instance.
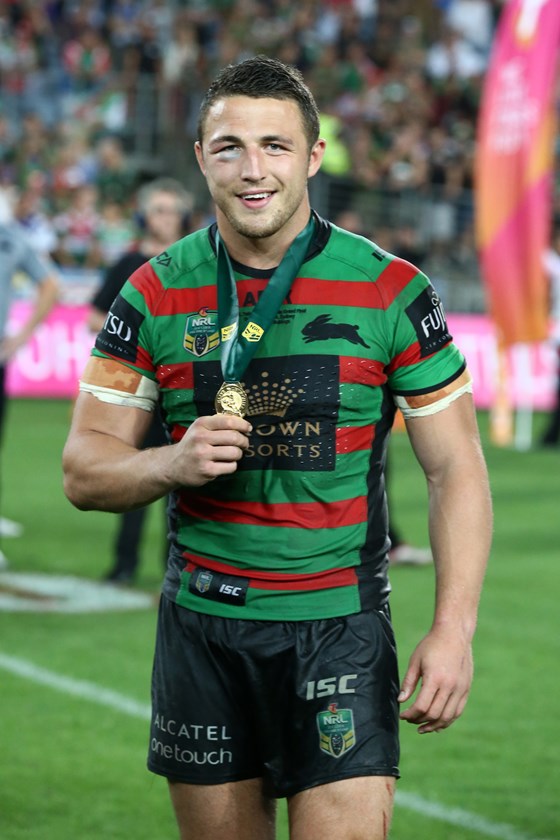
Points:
(336, 730)
(201, 332)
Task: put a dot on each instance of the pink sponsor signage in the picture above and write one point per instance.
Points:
(51, 363)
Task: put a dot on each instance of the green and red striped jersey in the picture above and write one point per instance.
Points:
(300, 530)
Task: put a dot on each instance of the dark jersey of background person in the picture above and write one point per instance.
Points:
(115, 278)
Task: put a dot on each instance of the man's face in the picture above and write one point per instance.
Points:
(255, 156)
(164, 217)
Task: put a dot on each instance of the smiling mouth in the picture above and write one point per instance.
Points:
(261, 196)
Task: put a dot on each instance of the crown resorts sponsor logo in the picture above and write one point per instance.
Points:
(293, 408)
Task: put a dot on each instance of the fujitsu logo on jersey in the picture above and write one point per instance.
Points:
(434, 320)
(428, 319)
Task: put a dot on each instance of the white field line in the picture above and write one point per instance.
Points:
(105, 697)
(76, 688)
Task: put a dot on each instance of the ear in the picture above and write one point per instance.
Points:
(200, 156)
(316, 157)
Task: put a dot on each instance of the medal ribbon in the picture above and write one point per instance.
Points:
(236, 349)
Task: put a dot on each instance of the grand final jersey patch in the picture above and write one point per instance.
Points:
(201, 332)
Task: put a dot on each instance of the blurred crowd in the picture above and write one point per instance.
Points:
(98, 95)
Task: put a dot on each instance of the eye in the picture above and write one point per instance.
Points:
(227, 151)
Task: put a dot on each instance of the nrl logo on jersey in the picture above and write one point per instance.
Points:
(201, 332)
(336, 730)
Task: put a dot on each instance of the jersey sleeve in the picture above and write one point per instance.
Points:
(127, 333)
(424, 358)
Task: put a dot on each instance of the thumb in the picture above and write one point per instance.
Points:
(409, 682)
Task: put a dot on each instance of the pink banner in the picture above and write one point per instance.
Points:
(514, 166)
(51, 364)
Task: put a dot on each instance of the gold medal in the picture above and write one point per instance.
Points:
(231, 399)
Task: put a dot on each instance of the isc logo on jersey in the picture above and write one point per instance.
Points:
(201, 332)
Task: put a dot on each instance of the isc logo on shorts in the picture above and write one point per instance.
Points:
(330, 685)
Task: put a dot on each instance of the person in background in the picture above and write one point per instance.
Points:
(278, 346)
(18, 256)
(164, 213)
(551, 259)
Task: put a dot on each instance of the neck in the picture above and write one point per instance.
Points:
(264, 252)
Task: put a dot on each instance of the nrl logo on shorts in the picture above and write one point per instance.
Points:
(203, 581)
(201, 332)
(336, 730)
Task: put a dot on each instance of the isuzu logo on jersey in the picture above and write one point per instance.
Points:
(119, 335)
(201, 332)
(428, 319)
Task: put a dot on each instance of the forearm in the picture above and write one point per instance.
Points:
(47, 296)
(460, 534)
(106, 469)
(102, 472)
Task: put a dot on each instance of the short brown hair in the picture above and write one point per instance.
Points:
(263, 77)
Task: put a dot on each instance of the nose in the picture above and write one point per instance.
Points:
(253, 165)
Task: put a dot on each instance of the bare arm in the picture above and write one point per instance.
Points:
(95, 320)
(47, 295)
(104, 469)
(448, 448)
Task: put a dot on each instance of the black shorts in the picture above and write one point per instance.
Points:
(298, 703)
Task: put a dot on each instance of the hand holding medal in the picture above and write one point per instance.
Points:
(237, 350)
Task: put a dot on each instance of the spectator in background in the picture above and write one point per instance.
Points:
(551, 259)
(164, 214)
(35, 223)
(115, 179)
(76, 229)
(17, 255)
(87, 61)
(115, 233)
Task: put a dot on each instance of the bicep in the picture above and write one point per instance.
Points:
(447, 438)
(126, 424)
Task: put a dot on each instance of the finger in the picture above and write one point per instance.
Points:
(225, 437)
(418, 712)
(447, 715)
(409, 682)
(225, 421)
(226, 453)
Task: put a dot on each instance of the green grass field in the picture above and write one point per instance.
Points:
(73, 767)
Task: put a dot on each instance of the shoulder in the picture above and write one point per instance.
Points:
(356, 257)
(181, 262)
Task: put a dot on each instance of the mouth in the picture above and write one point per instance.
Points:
(256, 199)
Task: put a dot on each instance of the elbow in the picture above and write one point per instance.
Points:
(75, 483)
(74, 492)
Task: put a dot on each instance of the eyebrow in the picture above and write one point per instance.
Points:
(267, 138)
